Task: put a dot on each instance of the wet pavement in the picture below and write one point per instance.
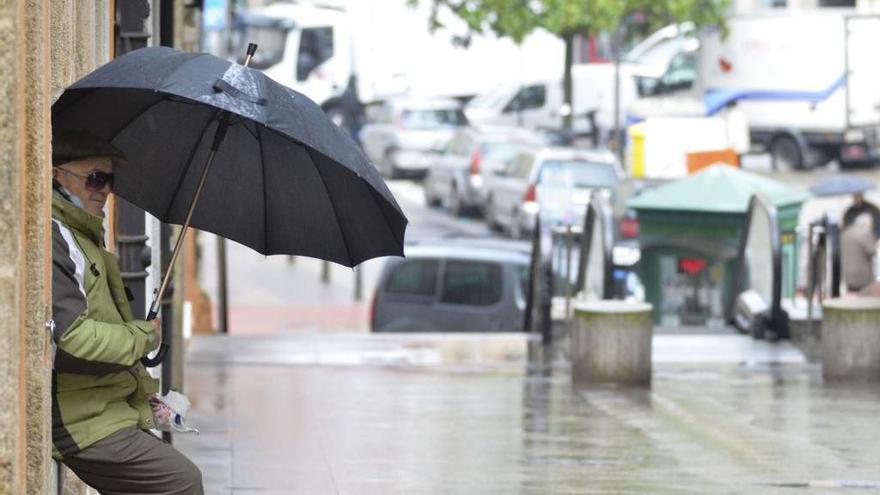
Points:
(308, 414)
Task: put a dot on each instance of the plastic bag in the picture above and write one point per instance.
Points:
(169, 412)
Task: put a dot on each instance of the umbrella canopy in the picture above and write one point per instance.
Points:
(841, 184)
(284, 178)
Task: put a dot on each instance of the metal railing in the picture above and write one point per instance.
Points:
(569, 261)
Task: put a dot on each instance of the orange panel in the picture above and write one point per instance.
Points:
(699, 160)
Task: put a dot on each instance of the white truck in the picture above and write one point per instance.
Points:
(375, 49)
(807, 81)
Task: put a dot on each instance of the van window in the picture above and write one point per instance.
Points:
(416, 277)
(527, 98)
(315, 48)
(472, 283)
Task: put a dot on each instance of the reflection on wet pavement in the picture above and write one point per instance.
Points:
(702, 428)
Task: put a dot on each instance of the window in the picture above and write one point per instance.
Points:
(431, 119)
(521, 166)
(461, 145)
(417, 277)
(472, 283)
(578, 173)
(315, 48)
(527, 98)
(681, 73)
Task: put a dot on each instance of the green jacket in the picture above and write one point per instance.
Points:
(98, 383)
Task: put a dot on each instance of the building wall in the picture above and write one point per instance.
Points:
(47, 44)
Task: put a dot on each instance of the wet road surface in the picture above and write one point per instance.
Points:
(275, 425)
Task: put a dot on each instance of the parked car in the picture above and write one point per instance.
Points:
(461, 285)
(456, 179)
(404, 136)
(556, 180)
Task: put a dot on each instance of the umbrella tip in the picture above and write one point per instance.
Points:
(251, 50)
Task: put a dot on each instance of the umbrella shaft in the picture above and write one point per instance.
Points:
(154, 308)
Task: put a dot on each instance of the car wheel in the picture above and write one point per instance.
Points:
(453, 201)
(516, 230)
(786, 154)
(430, 198)
(489, 214)
(391, 172)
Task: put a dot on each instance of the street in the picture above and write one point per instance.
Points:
(278, 295)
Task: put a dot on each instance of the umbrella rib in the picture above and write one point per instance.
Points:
(189, 161)
(332, 205)
(135, 117)
(259, 137)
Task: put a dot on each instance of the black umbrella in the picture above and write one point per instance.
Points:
(840, 184)
(223, 148)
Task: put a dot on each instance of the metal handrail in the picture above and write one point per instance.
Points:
(778, 321)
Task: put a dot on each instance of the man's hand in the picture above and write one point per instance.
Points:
(157, 330)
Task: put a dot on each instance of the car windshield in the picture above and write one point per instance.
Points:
(577, 173)
(270, 39)
(428, 119)
(495, 98)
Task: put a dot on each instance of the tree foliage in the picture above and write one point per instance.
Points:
(517, 18)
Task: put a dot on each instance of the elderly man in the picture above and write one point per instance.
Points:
(100, 408)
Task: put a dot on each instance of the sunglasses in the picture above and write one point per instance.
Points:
(95, 180)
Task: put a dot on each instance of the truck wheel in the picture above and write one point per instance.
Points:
(786, 154)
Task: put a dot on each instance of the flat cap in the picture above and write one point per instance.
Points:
(70, 146)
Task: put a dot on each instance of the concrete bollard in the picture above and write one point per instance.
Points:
(851, 339)
(611, 342)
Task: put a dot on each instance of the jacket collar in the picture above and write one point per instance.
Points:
(78, 219)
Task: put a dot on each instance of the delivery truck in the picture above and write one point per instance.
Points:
(807, 81)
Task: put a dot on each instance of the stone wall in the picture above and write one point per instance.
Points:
(12, 458)
(47, 44)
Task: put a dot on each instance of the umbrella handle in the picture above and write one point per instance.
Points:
(163, 347)
(158, 358)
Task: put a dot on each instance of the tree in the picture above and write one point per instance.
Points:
(568, 18)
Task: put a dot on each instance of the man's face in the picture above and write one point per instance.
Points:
(73, 176)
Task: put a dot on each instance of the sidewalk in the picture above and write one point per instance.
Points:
(361, 414)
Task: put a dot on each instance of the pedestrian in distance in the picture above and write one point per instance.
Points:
(858, 245)
(861, 205)
(100, 407)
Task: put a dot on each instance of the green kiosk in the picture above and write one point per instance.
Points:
(690, 232)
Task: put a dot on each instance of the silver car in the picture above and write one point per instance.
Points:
(453, 286)
(457, 178)
(556, 181)
(404, 136)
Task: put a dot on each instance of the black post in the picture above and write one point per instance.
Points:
(131, 238)
(222, 307)
(166, 38)
(167, 305)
